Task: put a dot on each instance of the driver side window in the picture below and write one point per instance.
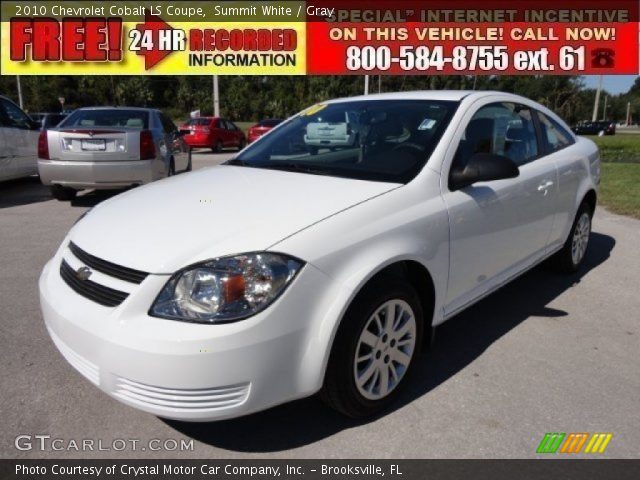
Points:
(15, 117)
(504, 129)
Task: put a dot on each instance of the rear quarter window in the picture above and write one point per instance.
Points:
(554, 136)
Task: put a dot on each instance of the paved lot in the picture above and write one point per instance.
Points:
(545, 354)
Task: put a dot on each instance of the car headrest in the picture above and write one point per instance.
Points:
(515, 134)
(479, 134)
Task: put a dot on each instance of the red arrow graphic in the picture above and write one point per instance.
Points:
(153, 55)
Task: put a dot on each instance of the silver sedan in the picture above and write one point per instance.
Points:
(110, 148)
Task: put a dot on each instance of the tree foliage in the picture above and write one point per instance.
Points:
(253, 97)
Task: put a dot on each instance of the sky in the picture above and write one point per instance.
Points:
(612, 83)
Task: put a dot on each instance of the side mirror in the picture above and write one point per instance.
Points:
(482, 167)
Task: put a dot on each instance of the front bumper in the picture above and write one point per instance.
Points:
(181, 370)
(99, 174)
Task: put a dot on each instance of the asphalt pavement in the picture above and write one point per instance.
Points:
(547, 353)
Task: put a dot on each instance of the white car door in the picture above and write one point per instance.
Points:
(20, 141)
(498, 228)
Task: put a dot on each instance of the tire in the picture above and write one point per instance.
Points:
(63, 194)
(217, 148)
(569, 259)
(356, 388)
(242, 144)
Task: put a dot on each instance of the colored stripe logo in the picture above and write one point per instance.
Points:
(574, 443)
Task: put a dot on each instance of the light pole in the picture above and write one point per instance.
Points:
(19, 91)
(596, 104)
(216, 98)
(366, 84)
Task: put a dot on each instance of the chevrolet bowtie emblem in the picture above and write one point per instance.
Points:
(83, 273)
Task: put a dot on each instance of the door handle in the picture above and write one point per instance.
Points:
(545, 185)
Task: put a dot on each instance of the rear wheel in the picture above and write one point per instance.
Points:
(217, 147)
(569, 259)
(242, 144)
(63, 194)
(375, 348)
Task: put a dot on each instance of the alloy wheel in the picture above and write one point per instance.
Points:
(385, 349)
(580, 239)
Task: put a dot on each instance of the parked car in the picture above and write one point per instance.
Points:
(213, 132)
(18, 142)
(110, 148)
(48, 120)
(326, 272)
(595, 128)
(331, 131)
(262, 127)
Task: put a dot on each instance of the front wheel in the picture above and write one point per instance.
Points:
(569, 259)
(375, 348)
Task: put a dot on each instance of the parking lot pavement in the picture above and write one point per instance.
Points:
(547, 353)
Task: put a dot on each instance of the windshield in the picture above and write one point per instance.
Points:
(382, 140)
(138, 119)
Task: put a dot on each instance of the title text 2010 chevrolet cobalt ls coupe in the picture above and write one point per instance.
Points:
(296, 268)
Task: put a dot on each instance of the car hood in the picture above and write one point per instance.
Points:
(217, 211)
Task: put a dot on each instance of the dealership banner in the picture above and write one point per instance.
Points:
(320, 38)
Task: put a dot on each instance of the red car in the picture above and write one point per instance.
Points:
(212, 132)
(262, 127)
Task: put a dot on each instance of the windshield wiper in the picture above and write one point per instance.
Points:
(238, 162)
(295, 167)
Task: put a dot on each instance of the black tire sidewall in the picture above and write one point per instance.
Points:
(346, 343)
(63, 194)
(564, 259)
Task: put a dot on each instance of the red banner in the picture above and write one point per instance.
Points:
(458, 38)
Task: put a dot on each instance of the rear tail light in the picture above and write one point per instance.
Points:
(147, 147)
(43, 145)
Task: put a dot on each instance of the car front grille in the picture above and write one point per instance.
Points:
(108, 268)
(106, 296)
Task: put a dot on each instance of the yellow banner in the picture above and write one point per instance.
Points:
(145, 43)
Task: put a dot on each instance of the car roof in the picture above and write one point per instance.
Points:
(443, 95)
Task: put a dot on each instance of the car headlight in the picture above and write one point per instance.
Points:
(226, 289)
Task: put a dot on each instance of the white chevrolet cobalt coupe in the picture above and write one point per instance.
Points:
(295, 268)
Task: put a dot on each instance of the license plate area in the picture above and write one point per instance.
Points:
(94, 145)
